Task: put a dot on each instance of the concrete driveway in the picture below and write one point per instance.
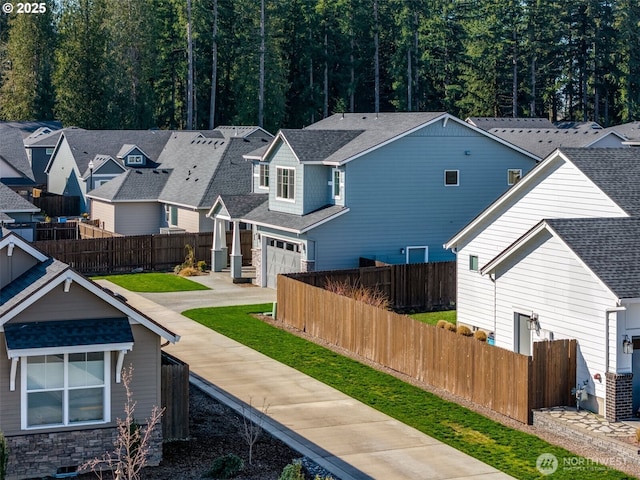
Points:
(343, 435)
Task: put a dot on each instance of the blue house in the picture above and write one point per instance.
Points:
(389, 186)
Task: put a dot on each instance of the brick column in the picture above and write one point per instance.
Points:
(619, 400)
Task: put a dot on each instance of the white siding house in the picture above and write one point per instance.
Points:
(513, 266)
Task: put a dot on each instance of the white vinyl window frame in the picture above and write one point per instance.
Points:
(65, 389)
(337, 184)
(451, 178)
(408, 249)
(263, 175)
(285, 183)
(514, 175)
(49, 151)
(134, 160)
(473, 263)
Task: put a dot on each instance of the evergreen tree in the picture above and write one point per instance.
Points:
(82, 61)
(26, 92)
(627, 19)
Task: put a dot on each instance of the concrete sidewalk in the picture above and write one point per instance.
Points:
(348, 438)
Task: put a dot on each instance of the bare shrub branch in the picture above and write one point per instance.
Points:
(252, 422)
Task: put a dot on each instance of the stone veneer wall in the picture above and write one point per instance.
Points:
(41, 454)
(256, 261)
(619, 397)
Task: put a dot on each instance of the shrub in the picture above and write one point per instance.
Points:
(450, 326)
(464, 330)
(226, 466)
(188, 272)
(293, 471)
(202, 265)
(480, 335)
(355, 290)
(441, 323)
(4, 456)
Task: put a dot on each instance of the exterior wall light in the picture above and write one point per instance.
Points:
(627, 345)
(533, 323)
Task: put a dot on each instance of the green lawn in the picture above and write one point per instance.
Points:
(508, 450)
(433, 317)
(153, 282)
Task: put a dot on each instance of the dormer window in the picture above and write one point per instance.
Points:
(134, 160)
(264, 175)
(285, 183)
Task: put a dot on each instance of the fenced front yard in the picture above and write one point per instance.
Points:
(504, 381)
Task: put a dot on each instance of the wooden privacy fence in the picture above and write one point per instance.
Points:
(174, 398)
(123, 254)
(418, 286)
(504, 381)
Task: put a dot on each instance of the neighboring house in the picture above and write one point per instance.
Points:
(16, 213)
(387, 186)
(543, 141)
(65, 343)
(489, 123)
(631, 131)
(195, 168)
(15, 170)
(40, 146)
(73, 166)
(558, 253)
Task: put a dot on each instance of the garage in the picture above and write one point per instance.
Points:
(282, 257)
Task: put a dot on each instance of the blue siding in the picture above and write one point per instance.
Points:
(317, 192)
(284, 157)
(397, 197)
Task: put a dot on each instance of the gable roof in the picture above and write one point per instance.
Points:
(100, 161)
(127, 148)
(11, 202)
(314, 146)
(49, 273)
(13, 153)
(608, 247)
(86, 144)
(205, 168)
(543, 141)
(28, 127)
(488, 123)
(133, 186)
(612, 170)
(232, 207)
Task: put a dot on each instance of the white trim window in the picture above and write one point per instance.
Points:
(473, 263)
(264, 175)
(337, 184)
(134, 160)
(451, 178)
(65, 389)
(48, 151)
(285, 183)
(513, 176)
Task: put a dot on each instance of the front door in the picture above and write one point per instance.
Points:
(635, 368)
(522, 334)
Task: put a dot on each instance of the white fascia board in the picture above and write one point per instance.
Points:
(125, 308)
(528, 179)
(106, 347)
(24, 210)
(23, 245)
(182, 205)
(47, 169)
(293, 230)
(217, 202)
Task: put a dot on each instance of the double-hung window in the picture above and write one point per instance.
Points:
(264, 176)
(134, 160)
(285, 183)
(65, 389)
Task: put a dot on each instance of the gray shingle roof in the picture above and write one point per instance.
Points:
(614, 170)
(139, 184)
(262, 215)
(316, 145)
(29, 282)
(86, 144)
(610, 247)
(206, 168)
(12, 151)
(27, 127)
(240, 205)
(63, 333)
(487, 123)
(630, 130)
(10, 201)
(376, 129)
(542, 141)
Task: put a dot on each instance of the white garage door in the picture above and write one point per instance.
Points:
(282, 257)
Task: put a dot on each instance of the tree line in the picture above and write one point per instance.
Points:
(289, 63)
